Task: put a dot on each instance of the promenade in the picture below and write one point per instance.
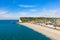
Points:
(51, 33)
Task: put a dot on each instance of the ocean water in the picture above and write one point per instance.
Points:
(10, 31)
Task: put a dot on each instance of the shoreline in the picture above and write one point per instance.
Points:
(51, 33)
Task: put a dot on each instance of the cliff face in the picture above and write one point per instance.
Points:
(20, 21)
(38, 19)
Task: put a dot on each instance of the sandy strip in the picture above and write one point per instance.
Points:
(53, 34)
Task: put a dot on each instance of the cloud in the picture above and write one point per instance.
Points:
(49, 12)
(26, 6)
(33, 10)
(3, 12)
(42, 13)
(46, 13)
(8, 15)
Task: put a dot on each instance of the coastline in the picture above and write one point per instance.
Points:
(51, 33)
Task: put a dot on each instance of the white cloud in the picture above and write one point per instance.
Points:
(3, 12)
(49, 13)
(26, 6)
(7, 15)
(33, 10)
(43, 13)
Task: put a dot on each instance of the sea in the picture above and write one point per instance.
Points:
(9, 30)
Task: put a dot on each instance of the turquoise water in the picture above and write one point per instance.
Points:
(9, 31)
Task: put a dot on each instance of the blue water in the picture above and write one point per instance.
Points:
(10, 31)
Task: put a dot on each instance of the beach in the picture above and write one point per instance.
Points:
(51, 33)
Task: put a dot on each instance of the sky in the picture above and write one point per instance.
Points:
(14, 9)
